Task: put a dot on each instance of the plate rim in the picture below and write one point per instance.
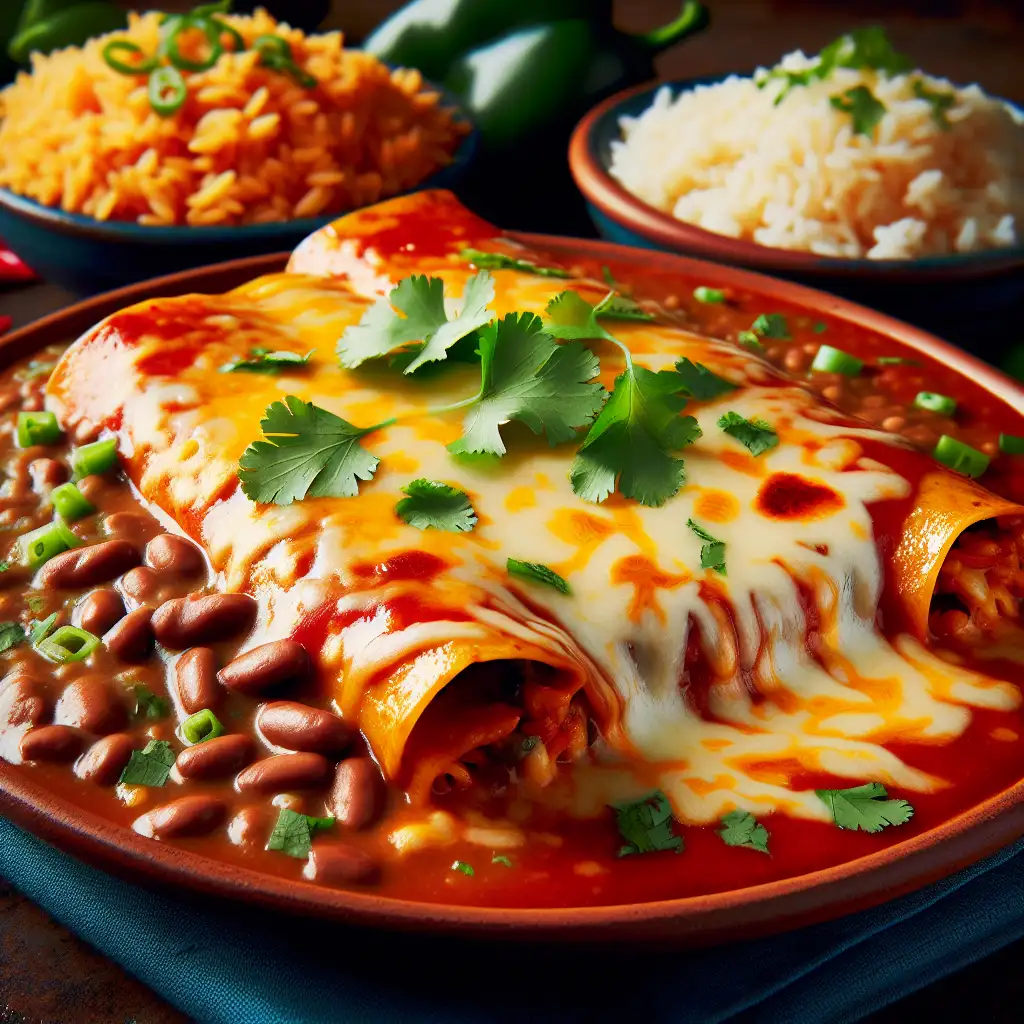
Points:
(772, 907)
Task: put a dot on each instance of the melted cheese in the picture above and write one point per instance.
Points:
(638, 590)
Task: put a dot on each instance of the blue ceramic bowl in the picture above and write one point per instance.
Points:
(945, 293)
(87, 256)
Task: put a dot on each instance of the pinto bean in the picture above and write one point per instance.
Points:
(85, 567)
(46, 474)
(141, 585)
(104, 761)
(91, 487)
(21, 703)
(89, 703)
(283, 772)
(295, 726)
(174, 555)
(132, 526)
(99, 610)
(51, 743)
(341, 864)
(357, 794)
(201, 618)
(265, 666)
(213, 759)
(131, 639)
(195, 675)
(186, 816)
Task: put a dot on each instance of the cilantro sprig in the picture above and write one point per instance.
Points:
(741, 828)
(150, 766)
(865, 807)
(413, 314)
(293, 832)
(757, 436)
(263, 360)
(535, 572)
(431, 504)
(712, 551)
(864, 109)
(700, 383)
(502, 261)
(646, 825)
(11, 634)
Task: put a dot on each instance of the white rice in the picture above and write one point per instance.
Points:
(796, 176)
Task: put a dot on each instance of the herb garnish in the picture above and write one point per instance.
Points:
(431, 504)
(771, 325)
(702, 293)
(535, 572)
(42, 629)
(700, 383)
(741, 828)
(150, 766)
(865, 807)
(148, 705)
(500, 858)
(425, 323)
(262, 360)
(293, 832)
(308, 452)
(864, 110)
(940, 102)
(646, 825)
(502, 261)
(464, 868)
(757, 436)
(11, 634)
(712, 552)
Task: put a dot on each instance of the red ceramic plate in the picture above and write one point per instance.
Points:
(761, 909)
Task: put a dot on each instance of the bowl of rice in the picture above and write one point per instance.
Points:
(849, 169)
(187, 140)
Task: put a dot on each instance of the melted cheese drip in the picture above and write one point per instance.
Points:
(635, 571)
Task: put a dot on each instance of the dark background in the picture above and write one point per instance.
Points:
(47, 975)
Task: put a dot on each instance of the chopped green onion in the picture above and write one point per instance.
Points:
(41, 545)
(203, 725)
(934, 402)
(69, 643)
(37, 428)
(500, 858)
(1011, 444)
(750, 339)
(835, 360)
(212, 32)
(167, 91)
(771, 325)
(960, 457)
(96, 458)
(142, 66)
(41, 630)
(895, 361)
(710, 295)
(69, 503)
(466, 869)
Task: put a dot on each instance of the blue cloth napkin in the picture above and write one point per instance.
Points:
(220, 962)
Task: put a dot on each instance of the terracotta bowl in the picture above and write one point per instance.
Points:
(945, 293)
(700, 920)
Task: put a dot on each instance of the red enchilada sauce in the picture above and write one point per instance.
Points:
(573, 862)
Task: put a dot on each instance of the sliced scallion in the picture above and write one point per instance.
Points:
(41, 545)
(1011, 444)
(69, 502)
(960, 457)
(98, 457)
(835, 360)
(203, 725)
(932, 401)
(37, 428)
(702, 293)
(69, 643)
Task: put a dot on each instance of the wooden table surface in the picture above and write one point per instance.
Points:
(48, 975)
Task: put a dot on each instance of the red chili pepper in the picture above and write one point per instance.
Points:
(12, 268)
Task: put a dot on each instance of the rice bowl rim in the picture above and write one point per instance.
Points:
(62, 222)
(590, 158)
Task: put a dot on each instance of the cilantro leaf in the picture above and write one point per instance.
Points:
(741, 828)
(750, 339)
(570, 317)
(940, 102)
(500, 858)
(150, 766)
(502, 261)
(771, 325)
(865, 807)
(819, 328)
(4, 566)
(463, 868)
(421, 300)
(434, 505)
(308, 452)
(148, 705)
(620, 307)
(756, 436)
(700, 383)
(262, 360)
(712, 552)
(11, 634)
(629, 445)
(42, 629)
(293, 832)
(537, 573)
(525, 376)
(646, 825)
(860, 103)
